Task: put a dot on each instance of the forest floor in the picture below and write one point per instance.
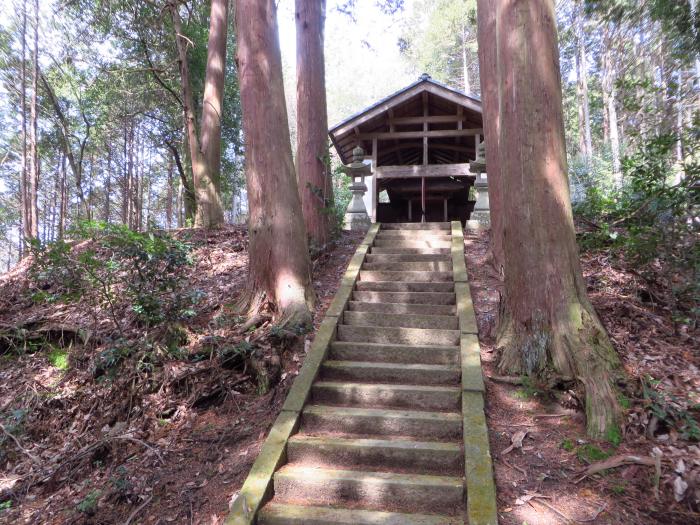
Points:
(542, 479)
(173, 444)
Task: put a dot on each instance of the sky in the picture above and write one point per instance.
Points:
(363, 62)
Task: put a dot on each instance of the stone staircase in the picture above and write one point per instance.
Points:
(380, 437)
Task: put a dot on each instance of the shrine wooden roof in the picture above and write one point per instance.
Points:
(426, 109)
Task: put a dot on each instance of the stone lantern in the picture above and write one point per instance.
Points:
(481, 211)
(356, 217)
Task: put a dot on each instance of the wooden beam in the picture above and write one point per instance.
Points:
(434, 134)
(417, 145)
(422, 197)
(435, 119)
(429, 171)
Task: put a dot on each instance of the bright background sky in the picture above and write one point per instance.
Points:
(363, 62)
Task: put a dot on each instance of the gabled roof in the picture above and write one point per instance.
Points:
(444, 100)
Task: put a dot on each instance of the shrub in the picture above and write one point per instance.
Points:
(144, 270)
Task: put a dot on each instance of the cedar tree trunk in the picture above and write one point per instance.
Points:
(584, 117)
(548, 328)
(486, 37)
(209, 212)
(312, 122)
(279, 269)
(212, 107)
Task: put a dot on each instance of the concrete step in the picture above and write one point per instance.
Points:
(397, 250)
(416, 226)
(418, 266)
(402, 336)
(393, 353)
(405, 243)
(373, 490)
(400, 373)
(418, 397)
(280, 514)
(403, 308)
(409, 456)
(434, 426)
(415, 234)
(407, 257)
(410, 276)
(405, 297)
(447, 322)
(399, 286)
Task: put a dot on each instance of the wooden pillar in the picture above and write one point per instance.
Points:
(445, 208)
(425, 128)
(410, 210)
(422, 198)
(375, 189)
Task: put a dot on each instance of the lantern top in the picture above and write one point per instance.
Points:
(478, 165)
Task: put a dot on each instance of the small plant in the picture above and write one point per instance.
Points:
(590, 453)
(120, 480)
(88, 505)
(58, 357)
(568, 445)
(236, 355)
(670, 410)
(619, 489)
(4, 505)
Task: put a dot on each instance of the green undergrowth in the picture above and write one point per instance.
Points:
(58, 357)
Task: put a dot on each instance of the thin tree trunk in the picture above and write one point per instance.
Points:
(32, 224)
(63, 210)
(465, 63)
(584, 118)
(125, 175)
(312, 161)
(169, 194)
(108, 186)
(76, 164)
(486, 37)
(189, 203)
(209, 210)
(279, 269)
(547, 325)
(609, 109)
(23, 190)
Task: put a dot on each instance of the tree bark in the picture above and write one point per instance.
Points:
(584, 118)
(488, 58)
(548, 328)
(23, 193)
(188, 197)
(312, 162)
(465, 63)
(76, 164)
(279, 270)
(209, 209)
(108, 186)
(212, 107)
(31, 226)
(608, 85)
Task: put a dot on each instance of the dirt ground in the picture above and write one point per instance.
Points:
(106, 452)
(174, 445)
(542, 482)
